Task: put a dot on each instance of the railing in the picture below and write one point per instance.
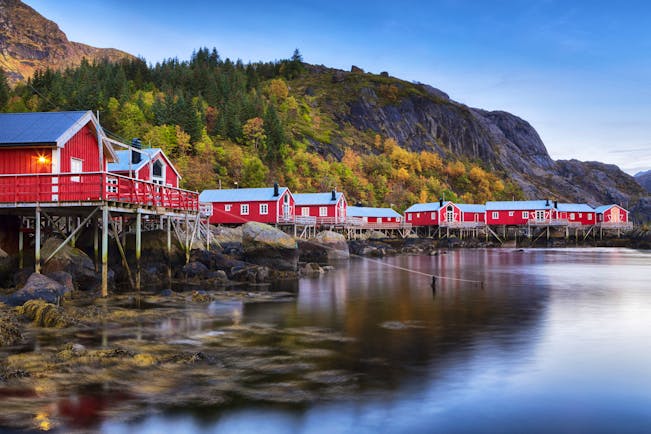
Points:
(297, 220)
(462, 225)
(547, 222)
(91, 187)
(616, 225)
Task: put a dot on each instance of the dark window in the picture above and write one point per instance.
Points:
(158, 169)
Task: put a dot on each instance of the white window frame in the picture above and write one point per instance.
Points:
(409, 217)
(511, 213)
(305, 211)
(76, 166)
(264, 209)
(244, 209)
(525, 214)
(571, 216)
(496, 215)
(227, 207)
(589, 216)
(323, 211)
(379, 219)
(433, 216)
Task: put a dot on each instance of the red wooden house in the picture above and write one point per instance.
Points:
(577, 214)
(325, 208)
(238, 206)
(65, 144)
(445, 214)
(521, 213)
(373, 216)
(612, 216)
(146, 164)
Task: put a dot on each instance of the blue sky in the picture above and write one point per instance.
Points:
(578, 71)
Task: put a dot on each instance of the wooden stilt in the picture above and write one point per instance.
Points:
(169, 250)
(96, 244)
(105, 221)
(21, 253)
(37, 242)
(138, 247)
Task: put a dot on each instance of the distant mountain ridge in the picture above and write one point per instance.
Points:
(29, 42)
(644, 179)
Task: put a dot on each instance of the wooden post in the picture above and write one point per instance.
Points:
(105, 229)
(138, 246)
(37, 242)
(21, 237)
(96, 244)
(169, 250)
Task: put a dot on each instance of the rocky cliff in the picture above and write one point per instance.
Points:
(644, 179)
(421, 117)
(28, 42)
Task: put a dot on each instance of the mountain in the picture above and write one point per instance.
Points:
(644, 179)
(421, 117)
(28, 41)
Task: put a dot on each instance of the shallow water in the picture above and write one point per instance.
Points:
(550, 341)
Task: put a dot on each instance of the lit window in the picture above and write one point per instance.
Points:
(227, 207)
(264, 209)
(244, 209)
(323, 211)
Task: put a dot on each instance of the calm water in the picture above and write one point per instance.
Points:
(555, 341)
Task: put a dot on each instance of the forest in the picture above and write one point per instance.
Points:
(226, 123)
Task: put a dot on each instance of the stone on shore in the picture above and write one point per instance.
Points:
(38, 286)
(270, 247)
(72, 261)
(334, 243)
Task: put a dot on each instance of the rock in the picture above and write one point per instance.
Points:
(250, 273)
(73, 261)
(334, 243)
(38, 286)
(222, 235)
(195, 269)
(268, 246)
(64, 278)
(309, 251)
(21, 276)
(311, 269)
(10, 330)
(376, 235)
(356, 69)
(8, 267)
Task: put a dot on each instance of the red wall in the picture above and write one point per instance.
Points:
(473, 216)
(234, 216)
(15, 161)
(607, 215)
(516, 219)
(144, 173)
(83, 146)
(579, 217)
(423, 218)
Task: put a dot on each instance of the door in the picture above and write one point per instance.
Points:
(449, 214)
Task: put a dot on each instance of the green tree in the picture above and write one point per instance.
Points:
(4, 90)
(274, 132)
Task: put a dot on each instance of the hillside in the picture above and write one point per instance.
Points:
(382, 140)
(644, 179)
(28, 42)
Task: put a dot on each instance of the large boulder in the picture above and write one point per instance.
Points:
(268, 246)
(334, 243)
(73, 261)
(38, 286)
(8, 266)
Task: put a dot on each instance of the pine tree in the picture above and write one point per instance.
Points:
(275, 135)
(4, 91)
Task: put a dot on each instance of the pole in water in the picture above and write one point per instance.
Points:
(433, 283)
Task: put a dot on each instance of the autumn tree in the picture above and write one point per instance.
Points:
(4, 90)
(253, 132)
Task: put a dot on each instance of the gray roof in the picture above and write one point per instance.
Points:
(470, 207)
(426, 207)
(602, 208)
(363, 211)
(52, 128)
(124, 158)
(241, 195)
(519, 205)
(317, 198)
(574, 207)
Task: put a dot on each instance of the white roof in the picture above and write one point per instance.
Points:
(241, 195)
(316, 198)
(516, 205)
(574, 207)
(363, 211)
(601, 209)
(426, 207)
(471, 207)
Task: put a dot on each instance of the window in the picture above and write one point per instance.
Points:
(417, 215)
(244, 209)
(379, 219)
(589, 216)
(75, 167)
(305, 211)
(571, 216)
(409, 217)
(496, 215)
(434, 216)
(580, 215)
(525, 214)
(111, 185)
(227, 207)
(511, 213)
(264, 209)
(323, 211)
(540, 215)
(157, 169)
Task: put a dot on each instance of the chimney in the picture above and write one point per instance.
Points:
(135, 155)
(555, 204)
(334, 194)
(440, 202)
(276, 193)
(546, 202)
